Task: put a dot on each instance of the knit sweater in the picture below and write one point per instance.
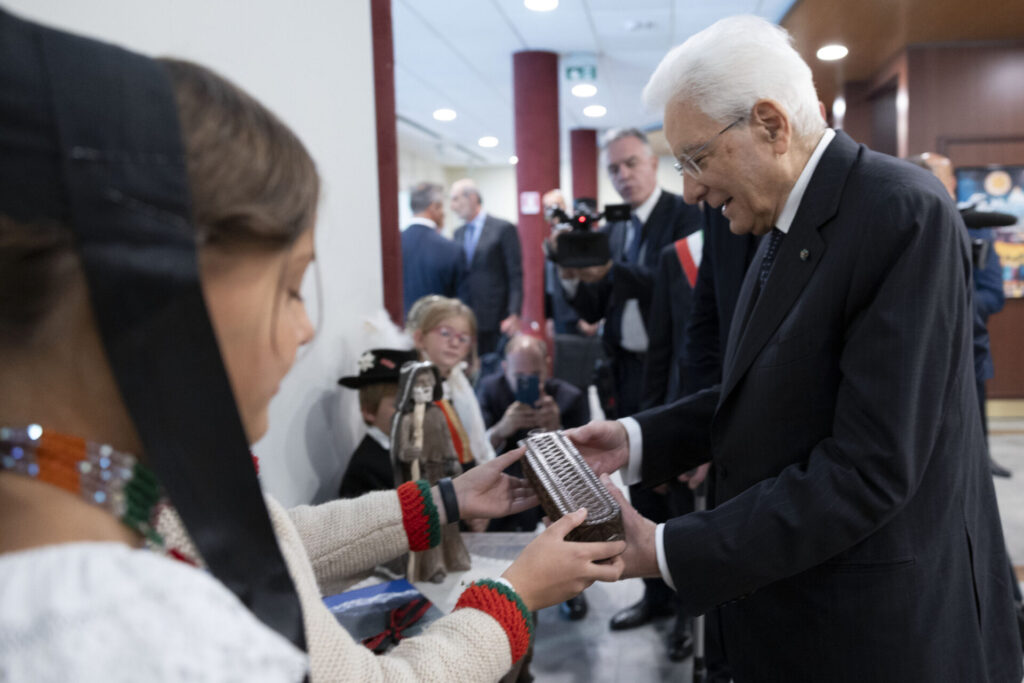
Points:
(327, 546)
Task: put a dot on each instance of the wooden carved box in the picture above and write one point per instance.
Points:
(565, 483)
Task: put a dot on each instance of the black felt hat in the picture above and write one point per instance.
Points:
(378, 366)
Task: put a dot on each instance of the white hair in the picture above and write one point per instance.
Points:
(729, 66)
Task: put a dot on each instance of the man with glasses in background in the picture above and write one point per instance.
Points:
(620, 293)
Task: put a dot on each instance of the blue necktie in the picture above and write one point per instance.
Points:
(470, 243)
(769, 256)
(633, 254)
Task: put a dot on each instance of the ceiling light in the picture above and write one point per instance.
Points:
(584, 90)
(513, 160)
(488, 141)
(541, 5)
(444, 114)
(595, 111)
(830, 53)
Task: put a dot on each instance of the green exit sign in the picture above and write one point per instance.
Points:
(581, 73)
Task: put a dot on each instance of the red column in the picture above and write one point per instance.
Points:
(387, 157)
(535, 78)
(583, 147)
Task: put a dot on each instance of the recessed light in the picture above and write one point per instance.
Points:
(488, 141)
(830, 53)
(584, 90)
(541, 5)
(595, 111)
(513, 160)
(444, 114)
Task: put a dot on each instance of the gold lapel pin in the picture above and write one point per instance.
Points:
(804, 254)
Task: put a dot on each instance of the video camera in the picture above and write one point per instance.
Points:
(983, 219)
(580, 243)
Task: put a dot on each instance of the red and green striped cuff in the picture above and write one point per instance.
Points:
(506, 607)
(419, 515)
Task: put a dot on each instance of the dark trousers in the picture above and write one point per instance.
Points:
(628, 377)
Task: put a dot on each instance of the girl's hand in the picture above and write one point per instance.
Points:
(486, 492)
(551, 570)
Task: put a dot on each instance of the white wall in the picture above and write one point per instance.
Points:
(310, 63)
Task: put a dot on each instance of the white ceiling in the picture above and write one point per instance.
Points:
(458, 54)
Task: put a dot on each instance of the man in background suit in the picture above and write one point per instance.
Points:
(723, 264)
(491, 250)
(621, 291)
(674, 282)
(431, 264)
(855, 534)
(989, 297)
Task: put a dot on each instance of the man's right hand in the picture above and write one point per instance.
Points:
(517, 416)
(604, 445)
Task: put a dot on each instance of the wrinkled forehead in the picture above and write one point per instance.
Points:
(687, 127)
(624, 148)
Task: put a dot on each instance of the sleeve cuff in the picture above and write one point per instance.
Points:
(659, 544)
(632, 472)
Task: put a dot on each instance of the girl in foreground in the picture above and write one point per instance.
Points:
(80, 599)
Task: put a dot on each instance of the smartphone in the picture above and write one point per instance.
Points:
(528, 389)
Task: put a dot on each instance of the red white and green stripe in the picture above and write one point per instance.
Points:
(419, 515)
(507, 608)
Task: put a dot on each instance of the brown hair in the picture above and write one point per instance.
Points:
(252, 180)
(252, 183)
(429, 311)
(371, 395)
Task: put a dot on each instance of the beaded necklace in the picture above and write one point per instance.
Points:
(109, 479)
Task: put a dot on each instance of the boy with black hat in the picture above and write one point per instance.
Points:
(369, 469)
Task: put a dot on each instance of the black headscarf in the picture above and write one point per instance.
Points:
(89, 137)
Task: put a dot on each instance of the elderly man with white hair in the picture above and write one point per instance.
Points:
(854, 534)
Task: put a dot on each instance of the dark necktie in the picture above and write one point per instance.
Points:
(775, 239)
(633, 253)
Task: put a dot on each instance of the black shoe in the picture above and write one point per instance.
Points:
(574, 609)
(680, 645)
(640, 614)
(998, 470)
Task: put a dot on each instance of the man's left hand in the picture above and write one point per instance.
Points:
(641, 556)
(510, 325)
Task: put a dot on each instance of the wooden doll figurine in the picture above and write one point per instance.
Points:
(421, 448)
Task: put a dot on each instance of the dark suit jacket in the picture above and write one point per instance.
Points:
(666, 326)
(368, 470)
(431, 264)
(495, 283)
(671, 219)
(855, 526)
(719, 278)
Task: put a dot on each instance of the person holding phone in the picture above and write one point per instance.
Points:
(522, 399)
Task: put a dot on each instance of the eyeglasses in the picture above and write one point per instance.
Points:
(448, 334)
(688, 164)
